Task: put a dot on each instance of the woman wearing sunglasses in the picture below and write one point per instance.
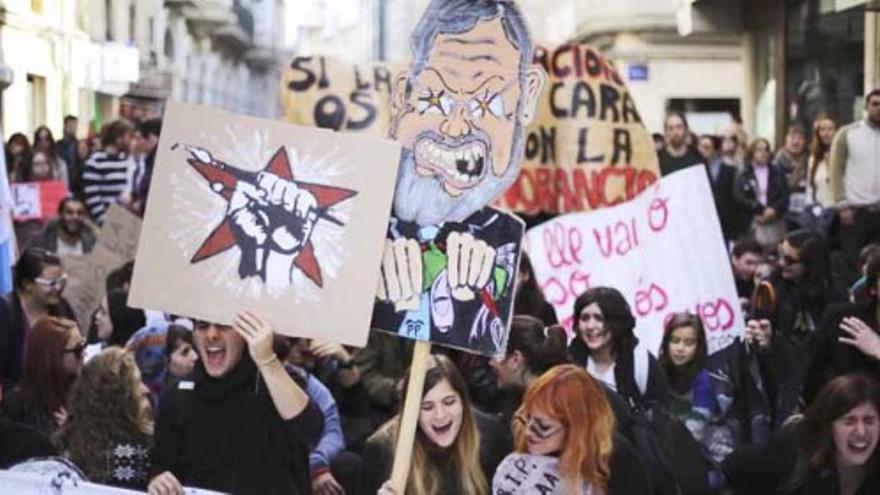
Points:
(39, 282)
(53, 360)
(564, 416)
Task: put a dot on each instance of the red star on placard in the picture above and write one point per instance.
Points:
(223, 179)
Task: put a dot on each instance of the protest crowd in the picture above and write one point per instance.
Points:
(157, 402)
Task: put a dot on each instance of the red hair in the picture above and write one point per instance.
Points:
(569, 395)
(43, 379)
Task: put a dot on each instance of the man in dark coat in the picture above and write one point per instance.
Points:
(242, 424)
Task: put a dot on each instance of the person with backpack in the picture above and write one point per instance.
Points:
(566, 424)
(606, 346)
(683, 354)
(532, 350)
(832, 450)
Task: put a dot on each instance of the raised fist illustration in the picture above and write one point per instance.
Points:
(470, 263)
(272, 218)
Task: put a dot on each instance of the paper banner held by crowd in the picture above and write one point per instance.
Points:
(663, 250)
(37, 200)
(253, 214)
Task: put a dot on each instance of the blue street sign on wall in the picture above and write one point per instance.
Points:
(638, 72)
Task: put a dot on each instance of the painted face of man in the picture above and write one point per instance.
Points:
(460, 123)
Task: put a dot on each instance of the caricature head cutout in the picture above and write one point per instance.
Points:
(461, 110)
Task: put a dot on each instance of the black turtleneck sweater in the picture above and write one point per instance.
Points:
(225, 434)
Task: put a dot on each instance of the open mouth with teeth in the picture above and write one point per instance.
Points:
(442, 429)
(461, 167)
(859, 446)
(214, 356)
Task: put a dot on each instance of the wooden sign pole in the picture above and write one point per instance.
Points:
(409, 417)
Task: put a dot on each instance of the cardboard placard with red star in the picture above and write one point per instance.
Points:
(246, 213)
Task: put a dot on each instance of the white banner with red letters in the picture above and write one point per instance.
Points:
(663, 250)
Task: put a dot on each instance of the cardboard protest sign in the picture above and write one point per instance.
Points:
(116, 245)
(588, 148)
(664, 251)
(459, 111)
(526, 474)
(248, 213)
(329, 93)
(36, 200)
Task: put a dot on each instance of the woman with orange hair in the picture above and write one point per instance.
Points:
(565, 420)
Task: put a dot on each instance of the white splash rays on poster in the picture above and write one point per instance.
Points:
(197, 211)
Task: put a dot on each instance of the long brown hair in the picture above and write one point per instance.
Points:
(105, 409)
(681, 377)
(424, 476)
(43, 379)
(571, 396)
(818, 149)
(839, 396)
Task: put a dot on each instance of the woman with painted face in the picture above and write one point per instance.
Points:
(683, 354)
(109, 430)
(39, 281)
(606, 346)
(565, 425)
(53, 360)
(832, 450)
(452, 449)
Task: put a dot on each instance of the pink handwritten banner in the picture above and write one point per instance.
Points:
(663, 250)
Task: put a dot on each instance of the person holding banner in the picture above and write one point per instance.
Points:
(606, 346)
(241, 424)
(564, 416)
(39, 281)
(452, 449)
(110, 425)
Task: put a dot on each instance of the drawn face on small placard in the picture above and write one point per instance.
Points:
(461, 110)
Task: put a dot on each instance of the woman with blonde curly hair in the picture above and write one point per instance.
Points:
(565, 415)
(109, 428)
